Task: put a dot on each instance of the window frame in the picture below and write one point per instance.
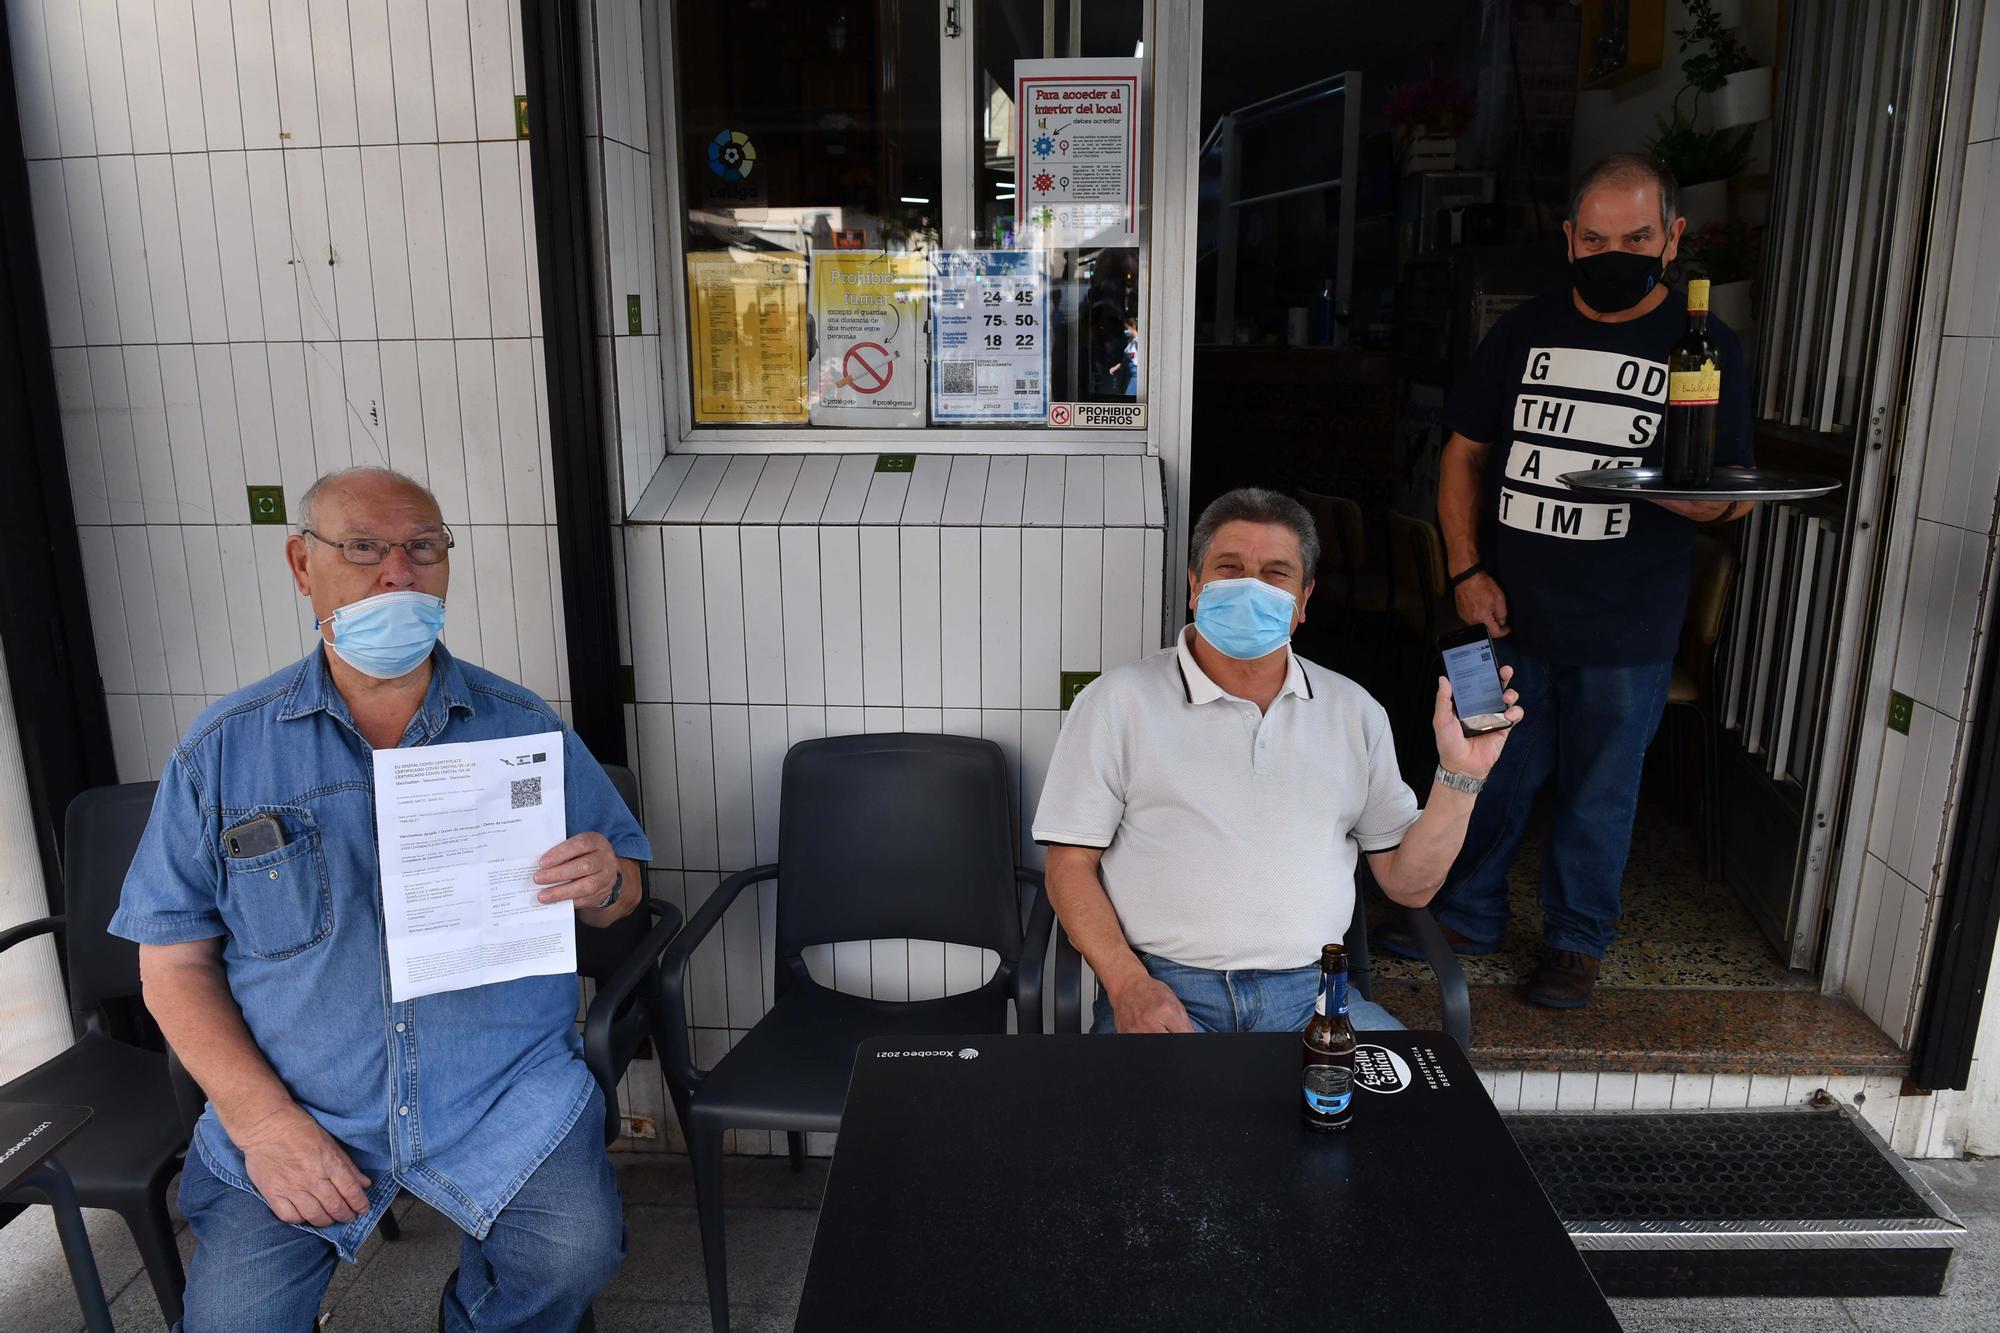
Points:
(957, 69)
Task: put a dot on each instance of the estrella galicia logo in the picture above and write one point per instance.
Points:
(1379, 1069)
(731, 155)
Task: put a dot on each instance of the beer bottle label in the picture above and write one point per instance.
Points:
(1328, 1088)
(1695, 388)
(1339, 996)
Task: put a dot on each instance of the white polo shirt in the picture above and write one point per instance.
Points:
(1230, 835)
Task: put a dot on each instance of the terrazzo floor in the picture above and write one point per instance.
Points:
(1677, 930)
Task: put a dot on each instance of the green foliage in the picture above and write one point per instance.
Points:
(1697, 156)
(1720, 56)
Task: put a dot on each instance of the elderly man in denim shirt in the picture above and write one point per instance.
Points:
(268, 972)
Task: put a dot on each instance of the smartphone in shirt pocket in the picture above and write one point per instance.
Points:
(277, 899)
(253, 837)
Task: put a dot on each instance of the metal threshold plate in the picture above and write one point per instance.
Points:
(1788, 1178)
(1729, 483)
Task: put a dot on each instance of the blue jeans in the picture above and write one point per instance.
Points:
(1246, 1001)
(1590, 727)
(552, 1248)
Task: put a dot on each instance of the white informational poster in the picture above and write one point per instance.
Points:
(459, 829)
(1076, 173)
(989, 336)
(868, 319)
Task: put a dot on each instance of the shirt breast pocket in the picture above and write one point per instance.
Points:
(280, 902)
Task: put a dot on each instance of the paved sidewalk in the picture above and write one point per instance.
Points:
(394, 1288)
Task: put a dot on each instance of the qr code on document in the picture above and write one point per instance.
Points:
(527, 793)
(958, 379)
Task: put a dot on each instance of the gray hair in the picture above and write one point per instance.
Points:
(1254, 504)
(309, 502)
(1629, 169)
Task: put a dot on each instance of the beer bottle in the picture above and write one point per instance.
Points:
(1329, 1048)
(1694, 395)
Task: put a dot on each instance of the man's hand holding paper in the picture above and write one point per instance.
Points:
(584, 871)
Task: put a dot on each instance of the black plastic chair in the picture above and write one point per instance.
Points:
(1067, 978)
(887, 836)
(126, 1158)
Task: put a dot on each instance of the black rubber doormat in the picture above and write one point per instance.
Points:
(1791, 1201)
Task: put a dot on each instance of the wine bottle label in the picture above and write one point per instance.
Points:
(1695, 388)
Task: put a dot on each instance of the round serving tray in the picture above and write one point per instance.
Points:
(1726, 483)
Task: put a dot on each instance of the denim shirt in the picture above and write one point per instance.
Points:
(455, 1097)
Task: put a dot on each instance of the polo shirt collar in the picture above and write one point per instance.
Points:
(1201, 690)
(313, 691)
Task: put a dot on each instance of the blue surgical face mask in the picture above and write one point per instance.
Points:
(1244, 618)
(387, 635)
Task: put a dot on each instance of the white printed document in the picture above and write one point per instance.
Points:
(459, 829)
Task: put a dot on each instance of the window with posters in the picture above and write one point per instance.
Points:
(908, 216)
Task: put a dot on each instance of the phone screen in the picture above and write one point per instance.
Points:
(1475, 680)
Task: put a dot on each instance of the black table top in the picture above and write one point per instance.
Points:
(30, 1132)
(1166, 1182)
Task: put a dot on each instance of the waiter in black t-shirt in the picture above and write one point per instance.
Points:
(1583, 596)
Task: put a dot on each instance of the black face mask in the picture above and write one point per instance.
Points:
(1614, 280)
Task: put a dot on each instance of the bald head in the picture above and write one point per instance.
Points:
(1631, 174)
(356, 511)
(365, 488)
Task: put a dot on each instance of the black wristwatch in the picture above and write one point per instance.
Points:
(617, 887)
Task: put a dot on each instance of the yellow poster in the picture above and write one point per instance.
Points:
(747, 332)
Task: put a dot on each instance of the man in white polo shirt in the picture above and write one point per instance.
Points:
(1203, 807)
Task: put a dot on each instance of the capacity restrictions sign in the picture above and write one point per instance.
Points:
(989, 343)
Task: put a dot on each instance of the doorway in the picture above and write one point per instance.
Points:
(1377, 189)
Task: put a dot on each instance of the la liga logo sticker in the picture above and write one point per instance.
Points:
(731, 155)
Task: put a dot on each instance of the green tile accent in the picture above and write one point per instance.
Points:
(520, 118)
(895, 462)
(267, 504)
(1899, 712)
(633, 324)
(1072, 685)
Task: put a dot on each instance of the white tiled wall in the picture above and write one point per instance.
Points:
(1944, 601)
(279, 238)
(781, 598)
(620, 168)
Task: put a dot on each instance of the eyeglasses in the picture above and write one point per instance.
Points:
(373, 550)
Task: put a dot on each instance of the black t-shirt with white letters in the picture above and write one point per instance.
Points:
(1589, 581)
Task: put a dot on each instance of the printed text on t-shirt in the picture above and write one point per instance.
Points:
(1543, 412)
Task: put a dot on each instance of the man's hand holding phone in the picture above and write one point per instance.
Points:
(1475, 708)
(1474, 755)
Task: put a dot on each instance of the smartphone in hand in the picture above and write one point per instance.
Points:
(1476, 689)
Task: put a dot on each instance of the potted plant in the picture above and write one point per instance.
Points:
(1703, 162)
(1738, 88)
(1427, 117)
(1727, 254)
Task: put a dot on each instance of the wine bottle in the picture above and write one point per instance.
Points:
(1694, 394)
